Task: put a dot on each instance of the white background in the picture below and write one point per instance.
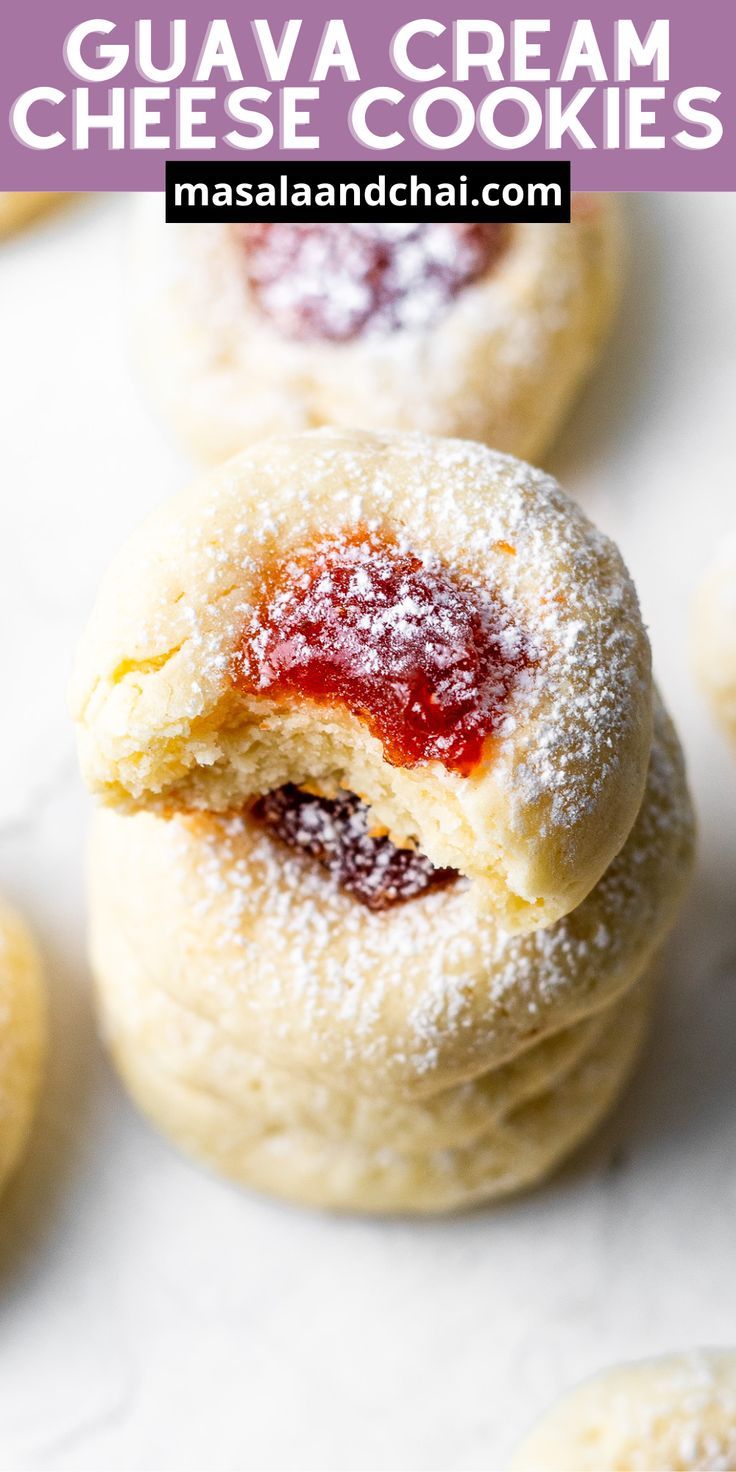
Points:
(152, 1317)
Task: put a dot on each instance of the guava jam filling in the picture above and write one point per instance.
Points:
(338, 282)
(426, 662)
(337, 833)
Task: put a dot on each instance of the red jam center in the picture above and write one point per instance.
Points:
(338, 281)
(428, 664)
(336, 832)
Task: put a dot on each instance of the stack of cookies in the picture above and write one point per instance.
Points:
(391, 822)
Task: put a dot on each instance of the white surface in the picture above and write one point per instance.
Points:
(151, 1317)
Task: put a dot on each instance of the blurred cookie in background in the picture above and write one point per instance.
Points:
(715, 637)
(22, 1037)
(481, 330)
(19, 208)
(677, 1413)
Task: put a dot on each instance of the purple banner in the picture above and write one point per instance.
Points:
(634, 98)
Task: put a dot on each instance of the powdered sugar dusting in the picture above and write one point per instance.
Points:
(427, 663)
(395, 990)
(472, 366)
(569, 757)
(566, 729)
(338, 282)
(678, 1413)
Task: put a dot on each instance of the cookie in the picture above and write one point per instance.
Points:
(481, 331)
(424, 623)
(677, 1412)
(19, 208)
(715, 637)
(22, 1037)
(269, 949)
(279, 1131)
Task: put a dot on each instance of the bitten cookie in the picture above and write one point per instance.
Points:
(22, 1037)
(715, 637)
(676, 1413)
(280, 961)
(425, 623)
(482, 331)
